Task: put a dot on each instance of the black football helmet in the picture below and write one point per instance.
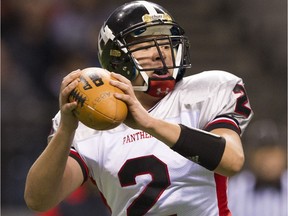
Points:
(126, 26)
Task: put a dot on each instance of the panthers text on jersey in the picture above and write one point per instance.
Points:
(139, 175)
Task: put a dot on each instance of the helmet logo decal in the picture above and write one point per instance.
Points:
(115, 53)
(149, 18)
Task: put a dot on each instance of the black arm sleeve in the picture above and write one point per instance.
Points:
(200, 146)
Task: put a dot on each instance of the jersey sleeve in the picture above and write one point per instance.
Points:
(233, 110)
(76, 156)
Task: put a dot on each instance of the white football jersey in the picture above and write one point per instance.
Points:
(139, 175)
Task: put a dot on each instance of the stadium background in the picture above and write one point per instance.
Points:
(44, 40)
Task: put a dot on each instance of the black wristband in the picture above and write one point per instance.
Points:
(200, 146)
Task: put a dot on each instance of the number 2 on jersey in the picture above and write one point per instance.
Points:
(242, 106)
(149, 196)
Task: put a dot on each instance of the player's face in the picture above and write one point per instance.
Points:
(149, 56)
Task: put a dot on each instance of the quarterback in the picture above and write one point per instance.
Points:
(181, 139)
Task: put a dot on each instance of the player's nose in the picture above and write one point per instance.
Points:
(158, 53)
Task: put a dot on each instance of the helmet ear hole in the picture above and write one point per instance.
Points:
(120, 62)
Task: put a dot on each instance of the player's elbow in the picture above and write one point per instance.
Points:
(233, 157)
(237, 164)
(231, 166)
(36, 203)
(33, 204)
(36, 206)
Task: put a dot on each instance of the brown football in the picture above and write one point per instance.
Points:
(97, 107)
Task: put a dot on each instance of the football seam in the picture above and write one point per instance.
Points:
(96, 111)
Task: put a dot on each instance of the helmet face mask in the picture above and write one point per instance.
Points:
(142, 25)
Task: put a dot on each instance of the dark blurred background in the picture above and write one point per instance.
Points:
(44, 40)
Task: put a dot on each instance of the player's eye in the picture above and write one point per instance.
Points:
(141, 46)
(166, 47)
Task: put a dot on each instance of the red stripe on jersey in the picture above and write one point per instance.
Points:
(52, 212)
(105, 201)
(74, 154)
(223, 122)
(221, 190)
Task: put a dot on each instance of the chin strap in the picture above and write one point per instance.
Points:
(159, 87)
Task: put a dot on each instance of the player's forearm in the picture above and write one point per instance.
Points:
(44, 179)
(222, 154)
(164, 131)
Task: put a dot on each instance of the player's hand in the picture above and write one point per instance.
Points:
(138, 117)
(68, 119)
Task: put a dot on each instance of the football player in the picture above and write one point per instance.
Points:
(181, 139)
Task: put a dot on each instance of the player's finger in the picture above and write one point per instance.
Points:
(123, 86)
(67, 89)
(120, 78)
(68, 107)
(123, 97)
(70, 77)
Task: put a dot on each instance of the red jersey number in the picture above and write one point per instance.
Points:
(242, 105)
